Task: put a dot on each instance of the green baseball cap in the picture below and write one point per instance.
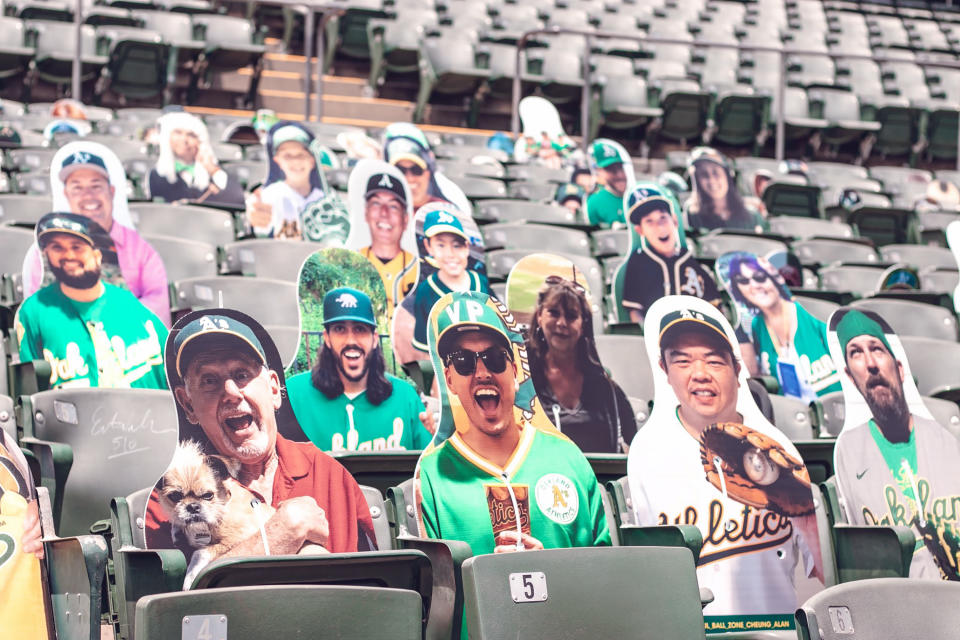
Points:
(69, 223)
(682, 320)
(344, 303)
(290, 133)
(569, 191)
(83, 160)
(201, 331)
(466, 312)
(604, 153)
(855, 323)
(440, 221)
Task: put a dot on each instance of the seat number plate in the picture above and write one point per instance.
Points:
(528, 587)
(212, 627)
(840, 620)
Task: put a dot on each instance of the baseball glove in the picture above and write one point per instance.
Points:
(943, 543)
(756, 469)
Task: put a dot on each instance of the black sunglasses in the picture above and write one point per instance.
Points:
(413, 170)
(465, 362)
(758, 276)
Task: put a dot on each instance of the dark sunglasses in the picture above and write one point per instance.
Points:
(555, 280)
(465, 362)
(413, 170)
(758, 276)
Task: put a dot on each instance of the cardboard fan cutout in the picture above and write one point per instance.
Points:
(895, 465)
(545, 491)
(109, 264)
(382, 226)
(295, 194)
(708, 457)
(550, 300)
(451, 259)
(953, 241)
(199, 505)
(790, 343)
(658, 264)
(344, 341)
(716, 203)
(402, 141)
(605, 205)
(83, 152)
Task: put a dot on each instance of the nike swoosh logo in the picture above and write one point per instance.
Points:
(860, 475)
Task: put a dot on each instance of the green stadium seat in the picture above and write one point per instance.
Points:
(885, 607)
(784, 197)
(177, 31)
(686, 108)
(446, 603)
(940, 132)
(825, 251)
(378, 513)
(401, 510)
(137, 64)
(252, 613)
(482, 188)
(741, 116)
(619, 491)
(665, 604)
(899, 124)
(562, 71)
(268, 257)
(500, 60)
(247, 295)
(95, 444)
(184, 258)
(885, 225)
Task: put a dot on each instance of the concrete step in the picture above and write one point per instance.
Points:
(338, 106)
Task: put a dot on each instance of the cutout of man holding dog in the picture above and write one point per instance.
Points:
(228, 384)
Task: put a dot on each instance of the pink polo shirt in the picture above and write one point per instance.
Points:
(140, 265)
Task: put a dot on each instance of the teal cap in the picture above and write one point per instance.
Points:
(855, 323)
(213, 327)
(344, 303)
(465, 313)
(439, 221)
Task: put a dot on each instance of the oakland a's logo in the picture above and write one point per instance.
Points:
(385, 182)
(444, 217)
(557, 498)
(80, 157)
(213, 324)
(347, 300)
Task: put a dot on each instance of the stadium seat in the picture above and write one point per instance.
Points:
(610, 242)
(860, 280)
(941, 130)
(28, 159)
(177, 31)
(401, 510)
(919, 256)
(446, 602)
(885, 607)
(665, 604)
(784, 197)
(515, 211)
(798, 121)
(625, 356)
(449, 67)
(824, 251)
(287, 340)
(945, 413)
(270, 302)
(885, 225)
(282, 610)
(57, 48)
(685, 106)
(831, 414)
(741, 116)
(137, 64)
(395, 44)
(201, 224)
(842, 111)
(899, 124)
(909, 318)
(268, 258)
(15, 55)
(536, 237)
(624, 104)
(22, 210)
(940, 281)
(806, 228)
(715, 244)
(230, 43)
(482, 188)
(932, 363)
(619, 491)
(95, 444)
(184, 258)
(792, 416)
(818, 308)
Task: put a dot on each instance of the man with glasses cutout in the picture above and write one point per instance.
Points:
(499, 483)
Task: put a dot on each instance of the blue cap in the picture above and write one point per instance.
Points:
(83, 160)
(344, 303)
(441, 221)
(643, 199)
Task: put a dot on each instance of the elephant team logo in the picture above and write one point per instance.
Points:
(557, 498)
(213, 324)
(347, 301)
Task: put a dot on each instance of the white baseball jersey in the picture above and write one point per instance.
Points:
(749, 555)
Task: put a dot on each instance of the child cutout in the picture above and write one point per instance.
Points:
(659, 267)
(448, 247)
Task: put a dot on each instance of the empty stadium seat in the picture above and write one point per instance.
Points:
(792, 416)
(932, 363)
(518, 211)
(922, 257)
(184, 258)
(714, 244)
(861, 281)
(268, 258)
(268, 301)
(201, 224)
(665, 604)
(262, 611)
(805, 228)
(537, 237)
(909, 318)
(823, 251)
(625, 356)
(818, 307)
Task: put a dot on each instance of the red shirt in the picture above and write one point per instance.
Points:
(302, 470)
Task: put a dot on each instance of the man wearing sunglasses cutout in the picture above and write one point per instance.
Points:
(498, 468)
(659, 268)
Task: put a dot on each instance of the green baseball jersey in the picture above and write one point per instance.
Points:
(604, 208)
(113, 341)
(808, 352)
(428, 292)
(345, 424)
(465, 497)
